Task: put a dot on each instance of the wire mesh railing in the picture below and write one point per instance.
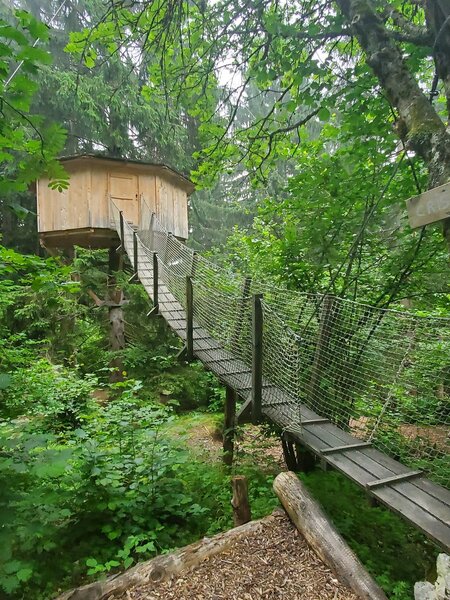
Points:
(381, 375)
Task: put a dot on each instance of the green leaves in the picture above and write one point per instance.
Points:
(27, 148)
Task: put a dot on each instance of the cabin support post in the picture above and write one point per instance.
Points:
(189, 319)
(229, 425)
(155, 284)
(257, 358)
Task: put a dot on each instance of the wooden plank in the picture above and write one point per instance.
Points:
(434, 490)
(421, 518)
(429, 503)
(429, 207)
(351, 466)
(210, 343)
(393, 479)
(239, 382)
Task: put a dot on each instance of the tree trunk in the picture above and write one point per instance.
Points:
(423, 130)
(114, 298)
(319, 532)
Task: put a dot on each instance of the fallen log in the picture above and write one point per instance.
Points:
(322, 536)
(162, 567)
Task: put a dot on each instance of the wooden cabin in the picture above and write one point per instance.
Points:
(81, 214)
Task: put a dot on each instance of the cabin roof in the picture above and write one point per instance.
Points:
(183, 181)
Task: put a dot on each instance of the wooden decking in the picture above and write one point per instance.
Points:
(408, 493)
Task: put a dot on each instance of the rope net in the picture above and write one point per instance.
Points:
(381, 375)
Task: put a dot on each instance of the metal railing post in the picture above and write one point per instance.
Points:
(257, 358)
(155, 284)
(189, 319)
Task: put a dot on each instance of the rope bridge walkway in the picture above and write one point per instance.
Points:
(364, 389)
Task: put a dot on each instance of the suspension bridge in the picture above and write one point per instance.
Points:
(363, 389)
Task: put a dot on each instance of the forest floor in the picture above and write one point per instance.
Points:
(203, 435)
(277, 563)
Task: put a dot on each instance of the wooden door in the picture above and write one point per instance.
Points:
(124, 192)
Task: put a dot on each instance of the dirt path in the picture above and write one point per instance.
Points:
(276, 564)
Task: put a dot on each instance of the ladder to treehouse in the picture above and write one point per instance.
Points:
(167, 269)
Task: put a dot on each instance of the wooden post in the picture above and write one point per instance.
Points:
(229, 425)
(155, 284)
(194, 264)
(189, 319)
(135, 256)
(289, 452)
(122, 231)
(239, 502)
(166, 249)
(257, 358)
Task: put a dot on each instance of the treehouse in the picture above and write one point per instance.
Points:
(82, 216)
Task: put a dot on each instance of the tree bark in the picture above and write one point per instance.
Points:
(320, 533)
(424, 131)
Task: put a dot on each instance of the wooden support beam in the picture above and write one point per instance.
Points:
(189, 319)
(306, 460)
(229, 425)
(257, 358)
(244, 413)
(323, 537)
(122, 231)
(315, 421)
(335, 449)
(194, 264)
(394, 479)
(289, 452)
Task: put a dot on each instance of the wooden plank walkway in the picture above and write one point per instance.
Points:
(408, 493)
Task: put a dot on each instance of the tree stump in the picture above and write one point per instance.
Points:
(241, 506)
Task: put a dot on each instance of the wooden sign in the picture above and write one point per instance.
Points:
(429, 207)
